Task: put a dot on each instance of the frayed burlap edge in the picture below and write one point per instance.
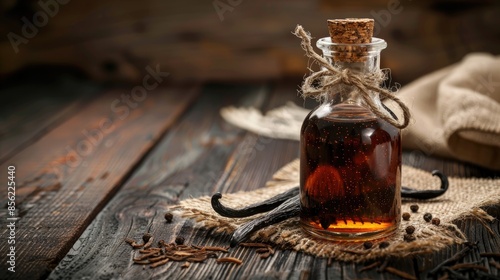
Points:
(463, 200)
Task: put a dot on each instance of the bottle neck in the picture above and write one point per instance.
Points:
(358, 58)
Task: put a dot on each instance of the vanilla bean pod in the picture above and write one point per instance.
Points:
(256, 208)
(427, 194)
(286, 205)
(271, 203)
(288, 209)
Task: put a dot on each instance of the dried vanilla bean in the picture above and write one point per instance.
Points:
(289, 203)
(256, 208)
(288, 209)
(427, 194)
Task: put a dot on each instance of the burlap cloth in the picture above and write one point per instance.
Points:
(454, 115)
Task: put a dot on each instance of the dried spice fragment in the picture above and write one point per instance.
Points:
(133, 243)
(214, 248)
(179, 240)
(229, 260)
(169, 217)
(149, 243)
(427, 217)
(409, 237)
(410, 229)
(383, 244)
(157, 264)
(146, 237)
(185, 265)
(414, 208)
(406, 216)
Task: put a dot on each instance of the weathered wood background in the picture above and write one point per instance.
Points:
(243, 40)
(80, 196)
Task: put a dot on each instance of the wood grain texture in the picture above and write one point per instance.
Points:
(20, 104)
(59, 191)
(199, 155)
(188, 160)
(195, 160)
(207, 153)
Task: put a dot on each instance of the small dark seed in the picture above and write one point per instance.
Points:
(410, 229)
(179, 240)
(414, 208)
(367, 244)
(169, 217)
(384, 244)
(436, 221)
(406, 216)
(146, 237)
(409, 237)
(427, 217)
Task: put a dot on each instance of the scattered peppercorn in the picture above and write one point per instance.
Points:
(384, 244)
(146, 237)
(169, 217)
(368, 244)
(406, 216)
(410, 229)
(414, 208)
(409, 237)
(427, 217)
(436, 221)
(179, 240)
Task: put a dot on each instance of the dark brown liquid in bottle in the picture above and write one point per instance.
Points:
(350, 172)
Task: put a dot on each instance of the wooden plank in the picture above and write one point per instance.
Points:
(65, 178)
(188, 161)
(50, 104)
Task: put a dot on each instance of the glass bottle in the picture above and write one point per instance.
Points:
(350, 159)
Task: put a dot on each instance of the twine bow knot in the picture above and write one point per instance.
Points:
(345, 77)
(331, 77)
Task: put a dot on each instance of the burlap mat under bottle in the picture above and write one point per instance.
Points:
(463, 200)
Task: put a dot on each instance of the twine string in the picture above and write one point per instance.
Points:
(332, 77)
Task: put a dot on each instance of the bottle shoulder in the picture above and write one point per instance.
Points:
(343, 112)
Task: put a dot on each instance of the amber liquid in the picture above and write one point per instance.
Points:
(350, 174)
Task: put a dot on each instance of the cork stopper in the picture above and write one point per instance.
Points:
(350, 31)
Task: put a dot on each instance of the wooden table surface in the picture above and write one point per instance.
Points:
(93, 167)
